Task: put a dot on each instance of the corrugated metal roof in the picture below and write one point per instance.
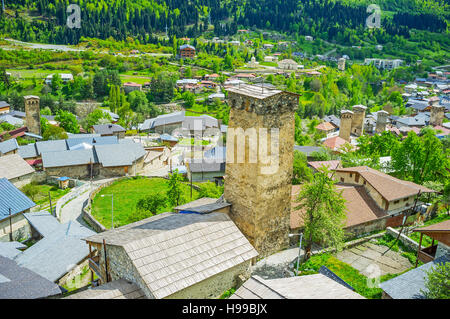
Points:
(12, 197)
(8, 146)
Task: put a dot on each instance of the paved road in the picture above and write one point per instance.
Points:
(73, 209)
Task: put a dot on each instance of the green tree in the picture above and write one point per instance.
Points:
(54, 133)
(31, 190)
(209, 189)
(68, 122)
(421, 159)
(302, 173)
(323, 211)
(189, 99)
(174, 192)
(148, 206)
(437, 282)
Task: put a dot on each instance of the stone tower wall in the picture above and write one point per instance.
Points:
(381, 121)
(359, 113)
(437, 115)
(33, 117)
(261, 201)
(346, 124)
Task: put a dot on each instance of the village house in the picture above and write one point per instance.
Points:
(9, 147)
(384, 63)
(65, 77)
(18, 282)
(87, 161)
(4, 107)
(440, 244)
(13, 205)
(327, 128)
(316, 286)
(336, 144)
(270, 59)
(131, 86)
(309, 150)
(174, 255)
(206, 171)
(374, 200)
(187, 51)
(60, 252)
(109, 130)
(16, 170)
(288, 64)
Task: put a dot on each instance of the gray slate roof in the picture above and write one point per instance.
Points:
(409, 284)
(43, 222)
(10, 249)
(316, 286)
(12, 197)
(173, 251)
(68, 158)
(28, 151)
(51, 146)
(8, 146)
(207, 167)
(117, 289)
(13, 166)
(11, 120)
(123, 154)
(412, 121)
(308, 150)
(58, 252)
(4, 104)
(104, 129)
(20, 283)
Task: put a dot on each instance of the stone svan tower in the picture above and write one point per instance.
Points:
(382, 117)
(258, 186)
(346, 124)
(32, 113)
(359, 113)
(437, 115)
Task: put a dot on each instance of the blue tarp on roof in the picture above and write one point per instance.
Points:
(12, 197)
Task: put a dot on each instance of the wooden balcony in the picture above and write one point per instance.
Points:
(95, 267)
(427, 254)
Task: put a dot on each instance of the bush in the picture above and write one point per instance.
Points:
(209, 189)
(31, 190)
(148, 206)
(438, 282)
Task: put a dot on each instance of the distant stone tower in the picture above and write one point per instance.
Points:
(382, 117)
(346, 124)
(437, 115)
(341, 64)
(359, 113)
(259, 187)
(32, 113)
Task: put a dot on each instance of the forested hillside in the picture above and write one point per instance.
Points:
(44, 20)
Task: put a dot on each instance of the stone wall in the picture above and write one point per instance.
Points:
(359, 112)
(21, 181)
(76, 171)
(261, 201)
(381, 121)
(32, 111)
(213, 287)
(437, 115)
(20, 228)
(346, 124)
(408, 242)
(442, 250)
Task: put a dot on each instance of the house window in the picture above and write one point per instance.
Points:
(342, 179)
(396, 202)
(351, 175)
(405, 200)
(364, 182)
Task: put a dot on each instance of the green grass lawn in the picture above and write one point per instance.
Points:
(127, 192)
(347, 273)
(55, 192)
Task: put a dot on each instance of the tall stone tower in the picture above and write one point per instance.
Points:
(382, 117)
(437, 115)
(359, 113)
(341, 64)
(32, 113)
(346, 124)
(258, 177)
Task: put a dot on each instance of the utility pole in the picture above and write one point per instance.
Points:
(10, 226)
(50, 200)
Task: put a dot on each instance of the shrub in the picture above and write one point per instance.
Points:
(209, 189)
(148, 206)
(438, 282)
